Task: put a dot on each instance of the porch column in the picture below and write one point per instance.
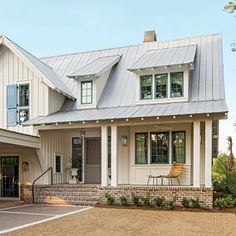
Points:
(196, 153)
(114, 142)
(104, 158)
(208, 152)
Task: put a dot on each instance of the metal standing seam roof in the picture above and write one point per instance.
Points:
(166, 57)
(139, 111)
(118, 100)
(96, 67)
(47, 71)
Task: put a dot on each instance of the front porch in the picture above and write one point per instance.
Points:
(113, 155)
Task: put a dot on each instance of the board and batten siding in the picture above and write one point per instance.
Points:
(42, 102)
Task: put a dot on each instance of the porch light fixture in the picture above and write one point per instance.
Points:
(124, 140)
(56, 123)
(174, 117)
(83, 122)
(191, 116)
(208, 115)
(82, 133)
(158, 118)
(142, 118)
(111, 120)
(127, 119)
(70, 123)
(97, 121)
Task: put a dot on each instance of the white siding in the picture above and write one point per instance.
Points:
(56, 101)
(13, 71)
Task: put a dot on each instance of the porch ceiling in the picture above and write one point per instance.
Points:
(9, 138)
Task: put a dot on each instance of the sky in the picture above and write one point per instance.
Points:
(54, 27)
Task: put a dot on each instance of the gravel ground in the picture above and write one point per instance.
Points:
(107, 221)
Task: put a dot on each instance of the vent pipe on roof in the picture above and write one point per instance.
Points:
(150, 36)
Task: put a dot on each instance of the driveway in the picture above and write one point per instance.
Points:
(21, 216)
(134, 222)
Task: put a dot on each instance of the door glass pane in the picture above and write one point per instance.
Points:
(178, 146)
(77, 156)
(58, 164)
(161, 85)
(177, 84)
(9, 170)
(146, 86)
(160, 147)
(141, 148)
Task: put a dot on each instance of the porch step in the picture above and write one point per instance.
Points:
(67, 194)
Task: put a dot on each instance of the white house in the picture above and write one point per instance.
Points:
(118, 115)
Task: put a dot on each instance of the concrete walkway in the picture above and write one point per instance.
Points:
(21, 216)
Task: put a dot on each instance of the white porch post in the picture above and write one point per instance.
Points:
(104, 158)
(196, 153)
(208, 152)
(114, 142)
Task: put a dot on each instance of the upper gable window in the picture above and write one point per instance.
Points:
(18, 103)
(146, 86)
(177, 84)
(86, 92)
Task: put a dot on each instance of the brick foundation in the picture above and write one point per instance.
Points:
(92, 194)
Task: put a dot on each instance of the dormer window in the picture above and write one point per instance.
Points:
(146, 86)
(162, 86)
(177, 84)
(86, 92)
(161, 82)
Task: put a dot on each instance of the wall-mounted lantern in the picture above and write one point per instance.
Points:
(124, 141)
(25, 166)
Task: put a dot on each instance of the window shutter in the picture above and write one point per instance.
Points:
(12, 105)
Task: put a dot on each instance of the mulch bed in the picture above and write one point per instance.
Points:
(177, 208)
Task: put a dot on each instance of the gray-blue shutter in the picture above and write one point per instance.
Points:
(11, 104)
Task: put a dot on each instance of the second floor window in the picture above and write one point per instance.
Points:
(177, 84)
(18, 103)
(86, 92)
(146, 86)
(161, 82)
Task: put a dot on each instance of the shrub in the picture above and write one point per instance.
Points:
(225, 202)
(123, 200)
(186, 202)
(195, 202)
(231, 183)
(135, 199)
(219, 169)
(159, 201)
(146, 199)
(110, 198)
(170, 205)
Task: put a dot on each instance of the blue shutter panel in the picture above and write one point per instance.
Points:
(11, 105)
(11, 96)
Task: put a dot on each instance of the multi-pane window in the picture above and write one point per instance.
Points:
(178, 146)
(23, 102)
(58, 164)
(177, 84)
(141, 145)
(146, 86)
(161, 81)
(18, 103)
(160, 147)
(77, 155)
(86, 92)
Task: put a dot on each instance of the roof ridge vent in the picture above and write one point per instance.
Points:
(150, 36)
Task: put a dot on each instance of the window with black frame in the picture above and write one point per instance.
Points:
(177, 84)
(146, 87)
(178, 146)
(77, 155)
(58, 164)
(161, 81)
(23, 102)
(160, 148)
(141, 145)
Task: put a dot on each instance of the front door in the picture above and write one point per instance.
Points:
(93, 161)
(9, 176)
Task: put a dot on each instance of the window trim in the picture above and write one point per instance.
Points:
(61, 163)
(172, 145)
(18, 101)
(81, 89)
(146, 152)
(140, 86)
(158, 163)
(171, 84)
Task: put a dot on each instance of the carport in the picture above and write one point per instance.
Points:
(20, 162)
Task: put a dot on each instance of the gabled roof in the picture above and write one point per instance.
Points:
(206, 82)
(181, 55)
(49, 75)
(96, 67)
